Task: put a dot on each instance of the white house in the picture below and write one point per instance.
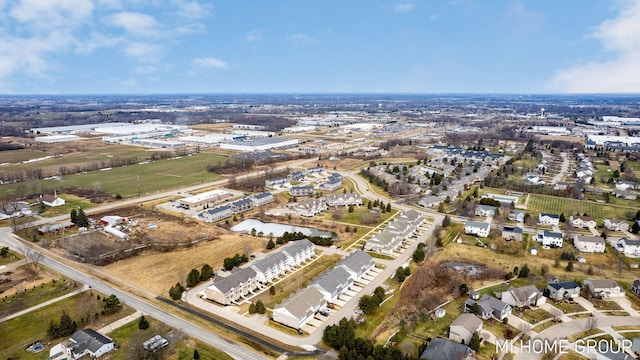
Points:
(616, 225)
(548, 219)
(485, 210)
(550, 238)
(302, 191)
(297, 310)
(87, 342)
(516, 215)
(578, 221)
(344, 199)
(262, 199)
(603, 288)
(52, 200)
(477, 228)
(310, 207)
(563, 290)
(629, 247)
(589, 244)
(463, 327)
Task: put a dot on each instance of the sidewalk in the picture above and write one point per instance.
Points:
(120, 322)
(25, 311)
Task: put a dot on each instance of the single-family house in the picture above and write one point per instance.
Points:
(578, 221)
(229, 289)
(635, 287)
(487, 307)
(463, 327)
(52, 200)
(589, 244)
(525, 296)
(516, 215)
(477, 228)
(297, 310)
(87, 342)
(629, 247)
(485, 210)
(616, 225)
(548, 219)
(310, 207)
(550, 238)
(512, 233)
(603, 288)
(625, 194)
(302, 191)
(445, 349)
(563, 290)
(430, 201)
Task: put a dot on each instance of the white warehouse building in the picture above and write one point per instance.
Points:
(259, 144)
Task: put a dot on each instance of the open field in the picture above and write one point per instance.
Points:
(36, 295)
(16, 156)
(133, 180)
(144, 270)
(23, 330)
(129, 339)
(542, 203)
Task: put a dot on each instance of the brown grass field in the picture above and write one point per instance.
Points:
(158, 271)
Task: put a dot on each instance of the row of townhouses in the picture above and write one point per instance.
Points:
(393, 235)
(315, 206)
(239, 206)
(296, 311)
(241, 282)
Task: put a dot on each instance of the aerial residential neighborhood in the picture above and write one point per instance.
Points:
(406, 180)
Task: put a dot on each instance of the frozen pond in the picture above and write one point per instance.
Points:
(276, 229)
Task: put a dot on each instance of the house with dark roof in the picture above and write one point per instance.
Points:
(463, 327)
(297, 310)
(310, 207)
(512, 233)
(217, 213)
(563, 290)
(88, 342)
(262, 199)
(485, 210)
(242, 205)
(275, 182)
(296, 176)
(52, 200)
(635, 287)
(525, 296)
(445, 349)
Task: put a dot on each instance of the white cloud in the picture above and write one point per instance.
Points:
(136, 24)
(253, 36)
(302, 39)
(192, 9)
(143, 52)
(621, 37)
(211, 63)
(38, 14)
(403, 8)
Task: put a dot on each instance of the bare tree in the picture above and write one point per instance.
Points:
(556, 313)
(524, 329)
(591, 324)
(35, 258)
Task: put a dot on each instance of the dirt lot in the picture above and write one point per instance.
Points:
(158, 271)
(22, 278)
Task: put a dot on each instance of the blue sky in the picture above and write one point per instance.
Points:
(374, 46)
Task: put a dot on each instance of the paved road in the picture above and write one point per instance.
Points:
(49, 260)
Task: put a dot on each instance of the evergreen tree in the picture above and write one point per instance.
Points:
(475, 341)
(193, 278)
(270, 244)
(446, 221)
(562, 218)
(196, 355)
(260, 309)
(176, 291)
(143, 323)
(388, 207)
(81, 219)
(524, 271)
(111, 304)
(206, 272)
(635, 228)
(74, 216)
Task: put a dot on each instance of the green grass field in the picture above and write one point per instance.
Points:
(15, 156)
(39, 294)
(23, 330)
(129, 339)
(542, 203)
(156, 176)
(11, 257)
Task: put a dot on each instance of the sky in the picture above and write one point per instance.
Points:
(311, 46)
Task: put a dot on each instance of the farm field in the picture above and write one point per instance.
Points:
(14, 156)
(152, 177)
(542, 203)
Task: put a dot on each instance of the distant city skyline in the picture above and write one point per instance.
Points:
(420, 46)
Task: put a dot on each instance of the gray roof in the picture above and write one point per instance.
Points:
(591, 239)
(412, 215)
(262, 195)
(358, 262)
(237, 277)
(219, 209)
(88, 339)
(303, 303)
(513, 229)
(486, 207)
(478, 224)
(294, 247)
(269, 261)
(631, 242)
(553, 234)
(565, 285)
(242, 202)
(603, 283)
(524, 293)
(332, 280)
(443, 349)
(468, 321)
(495, 304)
(553, 216)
